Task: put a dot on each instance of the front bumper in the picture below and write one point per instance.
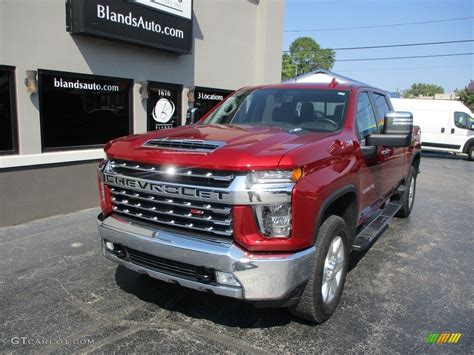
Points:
(262, 277)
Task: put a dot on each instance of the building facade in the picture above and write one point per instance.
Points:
(77, 73)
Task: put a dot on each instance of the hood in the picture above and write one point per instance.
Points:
(241, 147)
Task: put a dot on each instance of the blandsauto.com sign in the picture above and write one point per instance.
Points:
(161, 24)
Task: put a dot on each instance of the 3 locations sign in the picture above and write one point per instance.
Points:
(207, 98)
(162, 24)
(163, 106)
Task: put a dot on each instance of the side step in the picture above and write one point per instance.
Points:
(375, 228)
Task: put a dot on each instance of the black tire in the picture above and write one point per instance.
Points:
(407, 205)
(470, 152)
(310, 305)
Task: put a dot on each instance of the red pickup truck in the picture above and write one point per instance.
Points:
(265, 197)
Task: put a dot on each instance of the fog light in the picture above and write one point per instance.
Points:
(109, 245)
(274, 221)
(226, 278)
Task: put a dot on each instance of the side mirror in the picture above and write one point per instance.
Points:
(397, 132)
(192, 115)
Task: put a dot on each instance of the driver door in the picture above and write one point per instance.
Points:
(371, 174)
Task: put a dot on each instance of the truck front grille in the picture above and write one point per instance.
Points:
(210, 218)
(177, 212)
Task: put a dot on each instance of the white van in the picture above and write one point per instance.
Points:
(446, 125)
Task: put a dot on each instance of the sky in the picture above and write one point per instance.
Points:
(449, 72)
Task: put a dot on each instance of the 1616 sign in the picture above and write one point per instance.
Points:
(162, 24)
(163, 105)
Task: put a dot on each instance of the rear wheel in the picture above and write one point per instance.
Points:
(324, 288)
(407, 199)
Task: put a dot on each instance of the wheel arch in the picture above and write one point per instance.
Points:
(343, 203)
(416, 162)
(469, 143)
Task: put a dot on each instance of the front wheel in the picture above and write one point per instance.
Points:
(470, 152)
(323, 290)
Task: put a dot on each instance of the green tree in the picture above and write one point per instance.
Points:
(304, 56)
(288, 69)
(467, 97)
(423, 89)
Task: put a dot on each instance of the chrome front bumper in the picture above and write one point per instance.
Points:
(269, 277)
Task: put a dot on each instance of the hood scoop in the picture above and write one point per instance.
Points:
(196, 145)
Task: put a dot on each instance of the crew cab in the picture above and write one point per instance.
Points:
(265, 197)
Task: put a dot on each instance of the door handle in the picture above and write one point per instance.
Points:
(452, 130)
(442, 130)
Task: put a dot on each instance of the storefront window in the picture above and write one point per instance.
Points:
(83, 111)
(7, 111)
(163, 106)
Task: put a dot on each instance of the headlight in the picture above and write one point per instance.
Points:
(274, 221)
(275, 176)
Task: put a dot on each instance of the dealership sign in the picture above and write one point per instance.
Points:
(162, 24)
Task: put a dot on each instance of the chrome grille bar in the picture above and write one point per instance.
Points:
(171, 202)
(153, 210)
(177, 171)
(171, 222)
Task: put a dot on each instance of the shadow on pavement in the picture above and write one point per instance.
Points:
(200, 305)
(441, 155)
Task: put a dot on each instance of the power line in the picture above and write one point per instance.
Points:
(410, 57)
(412, 68)
(393, 45)
(379, 26)
(404, 45)
(309, 3)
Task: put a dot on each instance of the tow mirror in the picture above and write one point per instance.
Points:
(398, 131)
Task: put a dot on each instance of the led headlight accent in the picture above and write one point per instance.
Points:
(275, 176)
(274, 221)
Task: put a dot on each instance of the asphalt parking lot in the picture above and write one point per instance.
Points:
(58, 294)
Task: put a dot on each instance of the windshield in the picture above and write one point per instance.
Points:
(290, 109)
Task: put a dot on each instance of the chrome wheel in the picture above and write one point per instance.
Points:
(411, 192)
(332, 273)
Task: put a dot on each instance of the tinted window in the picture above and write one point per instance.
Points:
(462, 120)
(79, 111)
(365, 118)
(7, 115)
(308, 109)
(381, 108)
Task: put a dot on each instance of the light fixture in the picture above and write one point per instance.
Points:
(31, 82)
(226, 278)
(144, 90)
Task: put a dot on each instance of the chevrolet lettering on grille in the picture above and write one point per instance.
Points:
(164, 189)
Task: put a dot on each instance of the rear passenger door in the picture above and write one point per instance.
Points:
(393, 158)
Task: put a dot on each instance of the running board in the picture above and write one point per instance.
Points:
(375, 228)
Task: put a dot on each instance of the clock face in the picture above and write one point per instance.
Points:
(163, 111)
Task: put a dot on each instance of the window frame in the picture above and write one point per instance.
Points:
(13, 111)
(368, 92)
(456, 123)
(374, 106)
(44, 149)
